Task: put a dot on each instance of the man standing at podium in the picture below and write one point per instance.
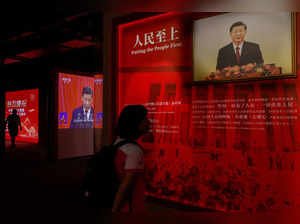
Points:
(83, 116)
(239, 52)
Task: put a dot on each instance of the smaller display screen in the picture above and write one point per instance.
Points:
(26, 102)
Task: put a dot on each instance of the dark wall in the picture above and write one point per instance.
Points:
(1, 123)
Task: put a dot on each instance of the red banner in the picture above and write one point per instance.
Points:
(26, 103)
(161, 41)
(98, 80)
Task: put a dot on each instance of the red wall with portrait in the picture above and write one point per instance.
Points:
(230, 146)
(26, 102)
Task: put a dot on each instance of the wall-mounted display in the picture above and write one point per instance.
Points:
(78, 114)
(26, 102)
(239, 46)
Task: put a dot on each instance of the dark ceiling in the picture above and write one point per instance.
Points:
(32, 29)
(29, 15)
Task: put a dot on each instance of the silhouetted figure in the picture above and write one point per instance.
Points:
(129, 161)
(13, 122)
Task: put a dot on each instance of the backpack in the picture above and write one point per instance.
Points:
(101, 180)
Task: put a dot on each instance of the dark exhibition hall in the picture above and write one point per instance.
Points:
(144, 112)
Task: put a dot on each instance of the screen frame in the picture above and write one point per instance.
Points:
(292, 75)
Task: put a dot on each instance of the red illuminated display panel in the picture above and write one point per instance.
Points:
(229, 147)
(98, 80)
(154, 68)
(26, 102)
(159, 42)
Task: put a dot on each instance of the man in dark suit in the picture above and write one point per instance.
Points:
(239, 52)
(83, 116)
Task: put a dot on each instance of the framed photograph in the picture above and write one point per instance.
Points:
(244, 46)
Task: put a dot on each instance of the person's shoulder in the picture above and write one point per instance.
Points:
(77, 109)
(226, 47)
(251, 44)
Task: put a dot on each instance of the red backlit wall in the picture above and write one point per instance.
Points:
(26, 102)
(241, 155)
(98, 85)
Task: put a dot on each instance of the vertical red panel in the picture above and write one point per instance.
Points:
(26, 102)
(98, 80)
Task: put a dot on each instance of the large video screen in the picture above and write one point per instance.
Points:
(76, 105)
(78, 114)
(235, 46)
(26, 102)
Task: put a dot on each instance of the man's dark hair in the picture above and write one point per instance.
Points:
(239, 23)
(14, 111)
(87, 90)
(129, 121)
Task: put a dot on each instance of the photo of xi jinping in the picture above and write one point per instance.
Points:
(235, 46)
(83, 116)
(239, 52)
